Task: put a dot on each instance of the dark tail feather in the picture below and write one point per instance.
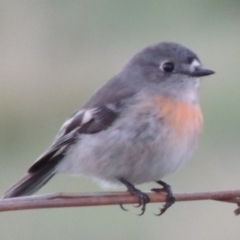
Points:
(32, 182)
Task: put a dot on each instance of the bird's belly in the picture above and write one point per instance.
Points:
(139, 155)
(139, 150)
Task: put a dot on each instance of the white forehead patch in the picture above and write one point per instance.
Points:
(195, 63)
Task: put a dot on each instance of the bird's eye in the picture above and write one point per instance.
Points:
(167, 67)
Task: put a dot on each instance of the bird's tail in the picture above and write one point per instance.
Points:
(32, 182)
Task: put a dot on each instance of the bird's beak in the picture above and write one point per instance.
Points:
(201, 72)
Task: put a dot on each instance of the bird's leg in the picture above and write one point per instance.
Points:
(143, 197)
(170, 198)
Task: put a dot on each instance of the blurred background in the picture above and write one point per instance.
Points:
(55, 54)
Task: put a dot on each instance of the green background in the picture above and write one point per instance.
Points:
(54, 54)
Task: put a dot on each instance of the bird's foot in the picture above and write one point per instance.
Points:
(143, 197)
(170, 200)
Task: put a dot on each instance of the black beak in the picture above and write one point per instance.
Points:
(201, 72)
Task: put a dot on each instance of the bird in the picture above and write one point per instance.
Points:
(140, 126)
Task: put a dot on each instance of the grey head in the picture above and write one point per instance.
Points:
(167, 61)
(167, 67)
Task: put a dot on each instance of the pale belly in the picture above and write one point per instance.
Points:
(143, 149)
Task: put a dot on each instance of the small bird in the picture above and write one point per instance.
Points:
(142, 125)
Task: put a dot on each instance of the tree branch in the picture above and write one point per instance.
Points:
(59, 200)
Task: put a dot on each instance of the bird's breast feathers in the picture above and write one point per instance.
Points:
(184, 118)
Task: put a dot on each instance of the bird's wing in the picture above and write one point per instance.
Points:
(89, 121)
(101, 110)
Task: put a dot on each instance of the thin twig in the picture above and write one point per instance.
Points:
(58, 200)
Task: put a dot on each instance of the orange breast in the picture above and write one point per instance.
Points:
(183, 117)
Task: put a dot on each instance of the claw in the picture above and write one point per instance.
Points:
(170, 200)
(123, 208)
(143, 197)
(143, 200)
(137, 206)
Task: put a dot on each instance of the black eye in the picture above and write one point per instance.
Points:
(168, 67)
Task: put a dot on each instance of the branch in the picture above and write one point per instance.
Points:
(59, 200)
